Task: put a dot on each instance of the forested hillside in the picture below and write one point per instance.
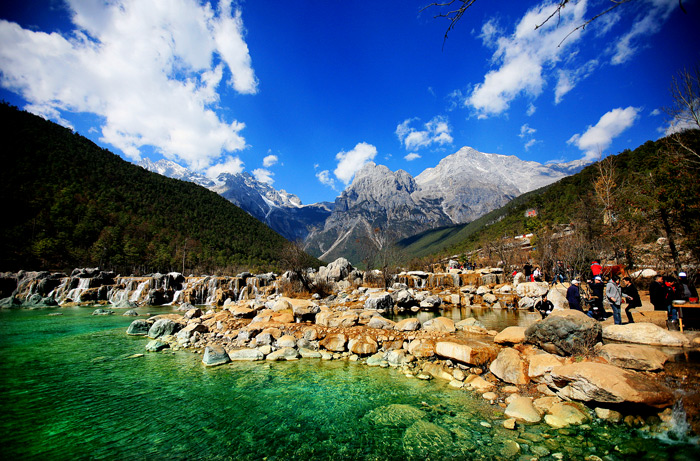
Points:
(70, 203)
(623, 201)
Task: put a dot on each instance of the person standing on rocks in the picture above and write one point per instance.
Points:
(631, 296)
(614, 295)
(689, 293)
(658, 293)
(573, 295)
(527, 270)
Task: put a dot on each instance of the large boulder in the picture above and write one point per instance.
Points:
(522, 409)
(163, 327)
(604, 383)
(334, 342)
(440, 325)
(246, 355)
(379, 301)
(411, 324)
(215, 355)
(337, 319)
(510, 335)
(363, 345)
(338, 270)
(285, 353)
(565, 332)
(469, 352)
(509, 367)
(633, 356)
(381, 323)
(645, 333)
(532, 289)
(431, 302)
(138, 327)
(558, 299)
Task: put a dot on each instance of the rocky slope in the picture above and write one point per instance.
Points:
(280, 210)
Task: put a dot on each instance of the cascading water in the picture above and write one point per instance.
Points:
(136, 295)
(74, 294)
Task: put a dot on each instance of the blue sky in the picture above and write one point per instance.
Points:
(302, 94)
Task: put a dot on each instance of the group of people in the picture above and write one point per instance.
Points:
(621, 290)
(664, 290)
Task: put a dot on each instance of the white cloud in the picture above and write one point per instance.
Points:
(350, 162)
(325, 178)
(270, 160)
(530, 143)
(599, 137)
(412, 156)
(263, 175)
(437, 131)
(526, 130)
(230, 165)
(567, 79)
(655, 112)
(652, 16)
(490, 32)
(151, 71)
(531, 110)
(523, 57)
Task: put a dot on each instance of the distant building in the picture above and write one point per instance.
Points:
(531, 213)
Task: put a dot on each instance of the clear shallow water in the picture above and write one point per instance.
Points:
(69, 391)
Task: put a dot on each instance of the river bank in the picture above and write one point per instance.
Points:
(526, 374)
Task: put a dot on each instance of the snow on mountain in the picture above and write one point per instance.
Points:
(471, 183)
(173, 170)
(282, 211)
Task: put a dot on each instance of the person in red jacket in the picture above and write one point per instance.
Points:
(596, 268)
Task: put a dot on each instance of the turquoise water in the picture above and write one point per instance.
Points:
(69, 390)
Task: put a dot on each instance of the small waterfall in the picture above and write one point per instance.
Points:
(136, 295)
(74, 294)
(211, 291)
(678, 427)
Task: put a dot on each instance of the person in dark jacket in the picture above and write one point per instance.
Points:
(544, 306)
(573, 295)
(658, 294)
(597, 294)
(631, 296)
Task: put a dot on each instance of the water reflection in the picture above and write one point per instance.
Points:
(492, 319)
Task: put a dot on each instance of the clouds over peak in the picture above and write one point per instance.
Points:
(436, 131)
(597, 138)
(151, 71)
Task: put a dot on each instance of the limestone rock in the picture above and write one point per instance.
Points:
(532, 289)
(411, 324)
(510, 335)
(634, 357)
(431, 302)
(138, 327)
(162, 327)
(363, 345)
(565, 414)
(397, 358)
(540, 364)
(242, 312)
(645, 333)
(286, 341)
(522, 409)
(468, 322)
(246, 355)
(544, 404)
(565, 332)
(478, 383)
(337, 319)
(421, 348)
(215, 355)
(156, 345)
(608, 415)
(599, 382)
(469, 352)
(309, 353)
(440, 324)
(509, 367)
(334, 342)
(379, 301)
(286, 353)
(281, 305)
(381, 323)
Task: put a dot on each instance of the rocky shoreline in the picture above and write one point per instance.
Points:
(562, 371)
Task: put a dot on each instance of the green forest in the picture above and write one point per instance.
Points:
(69, 203)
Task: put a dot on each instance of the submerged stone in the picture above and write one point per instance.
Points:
(215, 355)
(138, 327)
(395, 415)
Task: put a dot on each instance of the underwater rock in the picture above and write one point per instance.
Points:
(156, 345)
(394, 415)
(138, 327)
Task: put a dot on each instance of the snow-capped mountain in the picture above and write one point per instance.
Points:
(173, 170)
(280, 210)
(462, 187)
(381, 204)
(470, 183)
